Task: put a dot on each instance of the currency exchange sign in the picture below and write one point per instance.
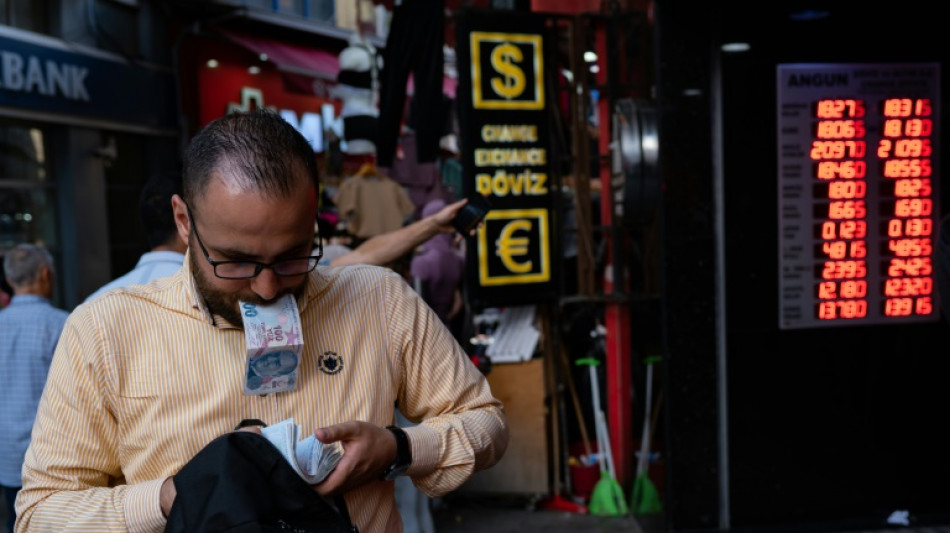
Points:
(506, 156)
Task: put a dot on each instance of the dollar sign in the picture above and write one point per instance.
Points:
(503, 58)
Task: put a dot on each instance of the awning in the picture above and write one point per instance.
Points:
(306, 61)
(288, 57)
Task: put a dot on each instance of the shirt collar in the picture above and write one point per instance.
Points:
(27, 299)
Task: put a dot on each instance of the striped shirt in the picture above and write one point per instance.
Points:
(29, 329)
(144, 377)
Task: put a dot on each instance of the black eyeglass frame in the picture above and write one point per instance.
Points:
(258, 266)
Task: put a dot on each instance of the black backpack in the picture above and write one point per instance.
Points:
(240, 483)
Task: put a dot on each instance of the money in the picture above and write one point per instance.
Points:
(274, 345)
(310, 458)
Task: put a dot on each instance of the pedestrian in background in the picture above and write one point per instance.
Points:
(29, 330)
(438, 268)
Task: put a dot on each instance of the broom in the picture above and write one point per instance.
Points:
(607, 498)
(644, 498)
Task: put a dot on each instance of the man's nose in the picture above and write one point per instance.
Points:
(266, 284)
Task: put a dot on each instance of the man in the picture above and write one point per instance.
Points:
(29, 329)
(145, 377)
(167, 250)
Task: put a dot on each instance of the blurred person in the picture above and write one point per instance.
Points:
(439, 268)
(30, 327)
(150, 373)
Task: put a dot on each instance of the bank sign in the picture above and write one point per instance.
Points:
(42, 75)
(506, 155)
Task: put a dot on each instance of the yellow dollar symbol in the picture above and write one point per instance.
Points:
(503, 58)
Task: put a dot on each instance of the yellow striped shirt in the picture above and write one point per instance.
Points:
(144, 377)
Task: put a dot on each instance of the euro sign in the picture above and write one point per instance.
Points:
(503, 58)
(507, 246)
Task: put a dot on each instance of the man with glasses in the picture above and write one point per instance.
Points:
(144, 378)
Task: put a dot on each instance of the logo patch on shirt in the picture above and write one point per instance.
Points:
(330, 363)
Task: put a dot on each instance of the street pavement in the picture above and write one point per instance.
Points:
(464, 513)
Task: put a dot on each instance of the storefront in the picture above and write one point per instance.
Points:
(225, 71)
(75, 145)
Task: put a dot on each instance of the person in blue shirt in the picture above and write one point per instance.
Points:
(29, 330)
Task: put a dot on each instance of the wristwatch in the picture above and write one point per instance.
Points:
(403, 455)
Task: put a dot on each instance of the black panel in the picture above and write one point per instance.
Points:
(833, 426)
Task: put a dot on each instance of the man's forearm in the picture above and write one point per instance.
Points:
(387, 247)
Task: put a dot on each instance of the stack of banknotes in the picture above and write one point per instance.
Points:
(274, 345)
(309, 457)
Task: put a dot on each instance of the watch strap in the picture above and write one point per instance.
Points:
(403, 454)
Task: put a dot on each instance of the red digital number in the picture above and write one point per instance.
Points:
(846, 229)
(847, 189)
(911, 227)
(913, 207)
(843, 249)
(846, 209)
(912, 127)
(904, 148)
(906, 168)
(840, 108)
(910, 247)
(898, 306)
(910, 187)
(844, 270)
(841, 129)
(837, 149)
(914, 266)
(828, 170)
(905, 107)
(908, 286)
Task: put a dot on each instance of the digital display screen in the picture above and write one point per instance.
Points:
(858, 176)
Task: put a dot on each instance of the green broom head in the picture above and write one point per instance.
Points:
(607, 498)
(645, 499)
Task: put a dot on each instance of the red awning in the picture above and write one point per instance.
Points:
(306, 61)
(288, 57)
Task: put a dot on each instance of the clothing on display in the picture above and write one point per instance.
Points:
(413, 46)
(372, 203)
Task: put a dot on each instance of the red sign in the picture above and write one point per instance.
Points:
(230, 78)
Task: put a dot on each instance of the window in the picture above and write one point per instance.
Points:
(30, 15)
(27, 196)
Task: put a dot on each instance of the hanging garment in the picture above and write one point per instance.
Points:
(372, 203)
(414, 45)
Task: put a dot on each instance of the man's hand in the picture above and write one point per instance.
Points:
(443, 218)
(368, 450)
(167, 496)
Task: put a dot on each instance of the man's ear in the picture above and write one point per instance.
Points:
(44, 282)
(181, 218)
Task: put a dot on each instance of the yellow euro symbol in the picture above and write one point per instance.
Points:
(503, 58)
(507, 245)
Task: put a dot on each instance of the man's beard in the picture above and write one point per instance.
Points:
(225, 304)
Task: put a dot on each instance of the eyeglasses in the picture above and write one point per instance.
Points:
(295, 266)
